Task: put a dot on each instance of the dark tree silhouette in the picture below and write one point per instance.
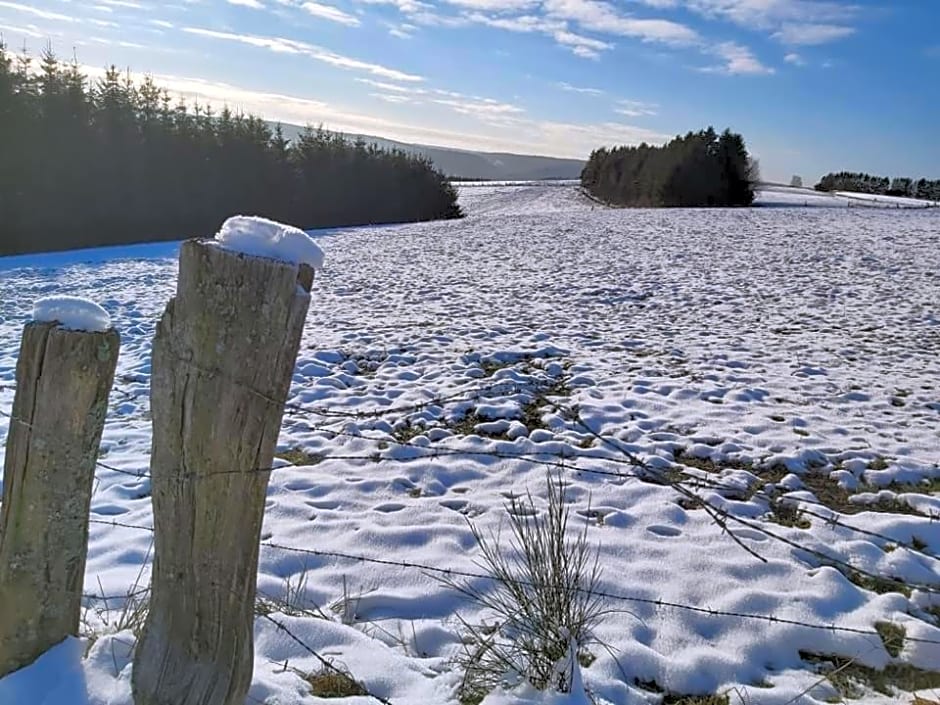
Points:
(700, 169)
(880, 185)
(113, 161)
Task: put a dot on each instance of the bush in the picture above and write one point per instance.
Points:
(544, 599)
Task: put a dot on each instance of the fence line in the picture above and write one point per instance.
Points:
(453, 572)
(543, 458)
(718, 514)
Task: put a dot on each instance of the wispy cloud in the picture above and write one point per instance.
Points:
(810, 34)
(580, 45)
(253, 4)
(333, 14)
(603, 17)
(281, 45)
(29, 30)
(402, 31)
(36, 12)
(393, 97)
(770, 14)
(496, 5)
(578, 89)
(636, 108)
(392, 87)
(738, 60)
(795, 59)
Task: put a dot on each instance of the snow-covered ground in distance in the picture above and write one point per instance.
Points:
(789, 196)
(793, 346)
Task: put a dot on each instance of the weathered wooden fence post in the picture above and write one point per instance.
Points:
(223, 359)
(63, 378)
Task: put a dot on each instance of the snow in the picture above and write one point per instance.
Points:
(72, 312)
(261, 237)
(804, 337)
(788, 196)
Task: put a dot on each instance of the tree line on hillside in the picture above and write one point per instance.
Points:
(112, 161)
(700, 169)
(881, 185)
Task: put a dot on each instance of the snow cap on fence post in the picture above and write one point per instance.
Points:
(223, 359)
(64, 374)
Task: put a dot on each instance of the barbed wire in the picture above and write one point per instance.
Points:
(719, 515)
(456, 572)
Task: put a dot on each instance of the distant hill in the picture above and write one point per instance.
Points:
(465, 164)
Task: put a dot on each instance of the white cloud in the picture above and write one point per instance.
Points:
(603, 17)
(391, 87)
(485, 109)
(738, 60)
(810, 34)
(393, 98)
(636, 108)
(577, 89)
(769, 14)
(795, 59)
(36, 12)
(585, 47)
(281, 45)
(29, 30)
(407, 7)
(495, 5)
(333, 14)
(253, 4)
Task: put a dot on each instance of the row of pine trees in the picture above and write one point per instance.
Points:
(881, 185)
(112, 161)
(700, 169)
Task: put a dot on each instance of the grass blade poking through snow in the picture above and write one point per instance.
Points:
(542, 597)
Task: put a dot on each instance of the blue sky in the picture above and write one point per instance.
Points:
(813, 85)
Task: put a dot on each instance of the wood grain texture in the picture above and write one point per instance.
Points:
(223, 359)
(63, 379)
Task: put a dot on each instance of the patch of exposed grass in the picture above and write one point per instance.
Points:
(491, 367)
(788, 514)
(892, 636)
(877, 585)
(300, 457)
(333, 682)
(709, 465)
(851, 679)
(837, 498)
(532, 415)
(878, 463)
(714, 699)
(407, 432)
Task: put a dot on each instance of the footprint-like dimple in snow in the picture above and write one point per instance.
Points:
(299, 485)
(749, 534)
(662, 530)
(323, 504)
(389, 507)
(455, 504)
(109, 510)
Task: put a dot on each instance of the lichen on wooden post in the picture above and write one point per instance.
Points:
(223, 359)
(63, 379)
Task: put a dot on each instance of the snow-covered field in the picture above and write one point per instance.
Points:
(808, 198)
(773, 351)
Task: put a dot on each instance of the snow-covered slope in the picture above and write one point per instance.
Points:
(791, 346)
